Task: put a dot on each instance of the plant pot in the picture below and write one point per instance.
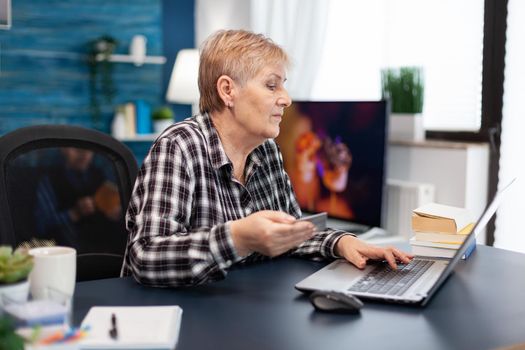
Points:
(15, 292)
(406, 127)
(161, 124)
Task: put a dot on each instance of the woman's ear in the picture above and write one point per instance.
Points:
(225, 88)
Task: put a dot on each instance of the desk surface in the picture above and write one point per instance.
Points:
(481, 306)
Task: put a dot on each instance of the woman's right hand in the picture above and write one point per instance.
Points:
(270, 233)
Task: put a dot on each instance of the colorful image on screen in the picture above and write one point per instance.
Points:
(334, 153)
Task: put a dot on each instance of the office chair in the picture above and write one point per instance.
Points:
(70, 186)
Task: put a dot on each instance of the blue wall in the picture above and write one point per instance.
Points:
(178, 26)
(44, 76)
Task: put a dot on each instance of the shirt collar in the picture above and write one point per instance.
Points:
(218, 156)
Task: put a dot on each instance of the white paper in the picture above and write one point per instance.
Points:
(139, 327)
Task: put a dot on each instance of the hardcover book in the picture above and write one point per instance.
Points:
(439, 250)
(440, 218)
(446, 238)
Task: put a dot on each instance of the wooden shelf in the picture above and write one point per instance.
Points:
(140, 138)
(436, 144)
(117, 58)
(131, 59)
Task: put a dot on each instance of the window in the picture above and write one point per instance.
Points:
(508, 233)
(445, 37)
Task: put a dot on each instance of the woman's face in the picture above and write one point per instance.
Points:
(260, 103)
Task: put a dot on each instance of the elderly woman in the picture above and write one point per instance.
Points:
(212, 191)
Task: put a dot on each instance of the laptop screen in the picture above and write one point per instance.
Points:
(480, 226)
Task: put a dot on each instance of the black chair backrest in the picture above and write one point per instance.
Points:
(69, 185)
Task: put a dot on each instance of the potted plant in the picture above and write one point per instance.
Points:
(8, 337)
(162, 118)
(15, 267)
(100, 74)
(404, 87)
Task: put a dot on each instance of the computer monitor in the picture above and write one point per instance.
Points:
(335, 153)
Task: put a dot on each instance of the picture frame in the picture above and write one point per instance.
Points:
(5, 14)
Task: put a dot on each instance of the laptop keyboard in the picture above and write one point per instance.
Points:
(384, 280)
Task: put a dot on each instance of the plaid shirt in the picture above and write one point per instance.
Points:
(183, 201)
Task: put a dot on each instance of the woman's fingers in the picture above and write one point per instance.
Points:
(296, 232)
(389, 257)
(278, 216)
(402, 256)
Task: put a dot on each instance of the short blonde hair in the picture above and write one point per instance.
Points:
(239, 54)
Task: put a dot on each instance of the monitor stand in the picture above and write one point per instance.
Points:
(370, 234)
(362, 231)
(349, 226)
(344, 225)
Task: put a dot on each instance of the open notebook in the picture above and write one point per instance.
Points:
(138, 327)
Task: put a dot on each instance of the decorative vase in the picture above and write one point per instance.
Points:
(406, 127)
(161, 124)
(14, 292)
(118, 125)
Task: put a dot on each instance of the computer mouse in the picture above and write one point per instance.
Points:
(331, 301)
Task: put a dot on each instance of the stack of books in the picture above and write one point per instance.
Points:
(131, 119)
(439, 230)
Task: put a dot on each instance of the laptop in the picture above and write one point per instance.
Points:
(413, 283)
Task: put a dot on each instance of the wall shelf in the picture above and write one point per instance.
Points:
(117, 58)
(139, 138)
(137, 61)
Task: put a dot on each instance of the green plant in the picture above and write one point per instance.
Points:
(8, 338)
(162, 113)
(14, 265)
(100, 73)
(404, 87)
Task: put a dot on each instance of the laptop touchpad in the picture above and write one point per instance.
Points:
(338, 275)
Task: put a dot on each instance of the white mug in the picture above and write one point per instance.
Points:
(54, 270)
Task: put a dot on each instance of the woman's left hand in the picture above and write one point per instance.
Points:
(359, 252)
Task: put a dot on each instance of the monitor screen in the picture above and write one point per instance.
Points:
(334, 153)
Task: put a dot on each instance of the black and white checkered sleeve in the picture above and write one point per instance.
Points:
(161, 251)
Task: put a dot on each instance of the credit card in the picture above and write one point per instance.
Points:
(319, 220)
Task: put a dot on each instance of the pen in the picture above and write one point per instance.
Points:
(70, 335)
(113, 333)
(53, 338)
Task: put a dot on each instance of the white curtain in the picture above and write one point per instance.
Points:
(212, 15)
(299, 26)
(510, 233)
